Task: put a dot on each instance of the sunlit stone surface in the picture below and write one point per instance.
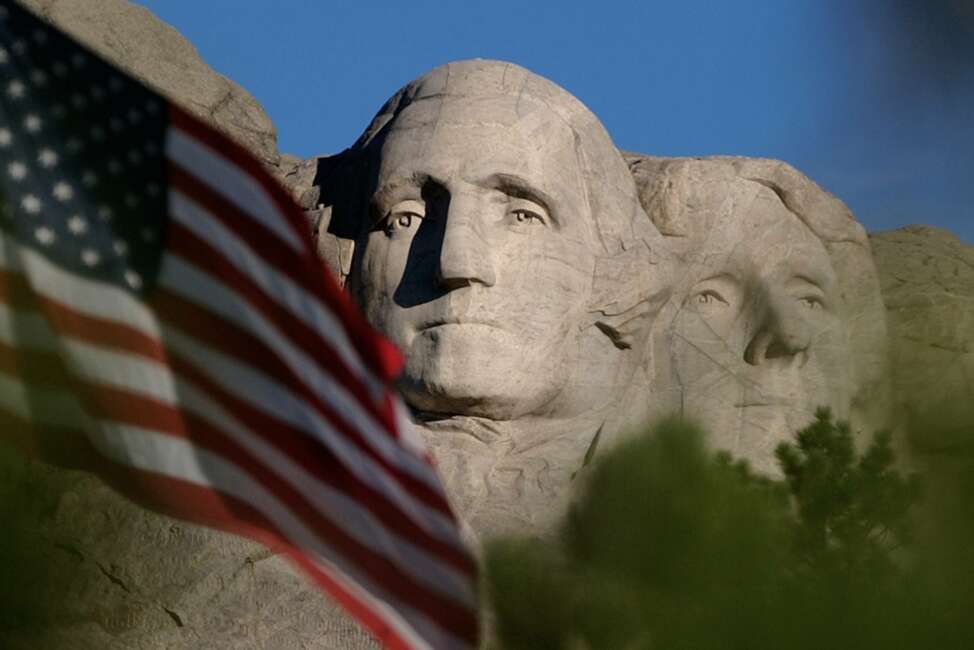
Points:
(776, 310)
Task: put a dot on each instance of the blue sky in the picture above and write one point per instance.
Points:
(874, 99)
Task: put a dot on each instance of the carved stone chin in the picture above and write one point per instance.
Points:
(777, 310)
(500, 243)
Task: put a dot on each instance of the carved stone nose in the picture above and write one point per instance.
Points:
(465, 255)
(782, 338)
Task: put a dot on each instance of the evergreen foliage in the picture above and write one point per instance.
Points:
(671, 547)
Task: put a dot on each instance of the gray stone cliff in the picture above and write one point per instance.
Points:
(133, 579)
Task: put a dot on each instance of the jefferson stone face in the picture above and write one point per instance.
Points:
(758, 344)
(776, 312)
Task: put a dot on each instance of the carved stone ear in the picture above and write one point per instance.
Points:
(628, 291)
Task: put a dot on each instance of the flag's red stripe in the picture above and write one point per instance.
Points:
(262, 241)
(196, 251)
(380, 355)
(114, 335)
(197, 504)
(132, 408)
(224, 147)
(201, 254)
(306, 451)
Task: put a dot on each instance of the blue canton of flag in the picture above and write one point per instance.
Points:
(80, 140)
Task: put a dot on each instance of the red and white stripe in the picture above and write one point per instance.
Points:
(245, 394)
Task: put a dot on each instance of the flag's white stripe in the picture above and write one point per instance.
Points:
(122, 370)
(190, 282)
(19, 328)
(388, 613)
(344, 512)
(379, 607)
(231, 182)
(105, 301)
(280, 403)
(156, 452)
(49, 406)
(301, 304)
(97, 299)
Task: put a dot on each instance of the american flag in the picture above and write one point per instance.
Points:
(164, 321)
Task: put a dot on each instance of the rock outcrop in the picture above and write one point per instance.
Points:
(927, 277)
(132, 37)
(121, 577)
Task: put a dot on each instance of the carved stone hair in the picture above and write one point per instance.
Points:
(680, 196)
(611, 194)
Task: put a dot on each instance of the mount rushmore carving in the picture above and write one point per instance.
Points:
(551, 294)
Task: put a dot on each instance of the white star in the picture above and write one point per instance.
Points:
(31, 204)
(90, 257)
(74, 145)
(37, 77)
(135, 157)
(44, 235)
(120, 247)
(133, 278)
(152, 189)
(15, 89)
(131, 200)
(33, 123)
(88, 178)
(17, 170)
(78, 60)
(62, 191)
(47, 158)
(5, 137)
(40, 36)
(104, 213)
(19, 47)
(114, 167)
(59, 69)
(148, 234)
(134, 116)
(4, 57)
(78, 101)
(77, 224)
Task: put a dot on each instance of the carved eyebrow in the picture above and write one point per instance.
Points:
(822, 281)
(516, 186)
(388, 191)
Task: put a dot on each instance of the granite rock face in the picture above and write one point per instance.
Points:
(927, 277)
(776, 309)
(550, 294)
(134, 39)
(499, 242)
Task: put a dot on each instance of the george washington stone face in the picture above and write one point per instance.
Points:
(485, 223)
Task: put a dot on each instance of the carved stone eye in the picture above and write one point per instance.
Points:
(709, 297)
(527, 217)
(403, 216)
(400, 221)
